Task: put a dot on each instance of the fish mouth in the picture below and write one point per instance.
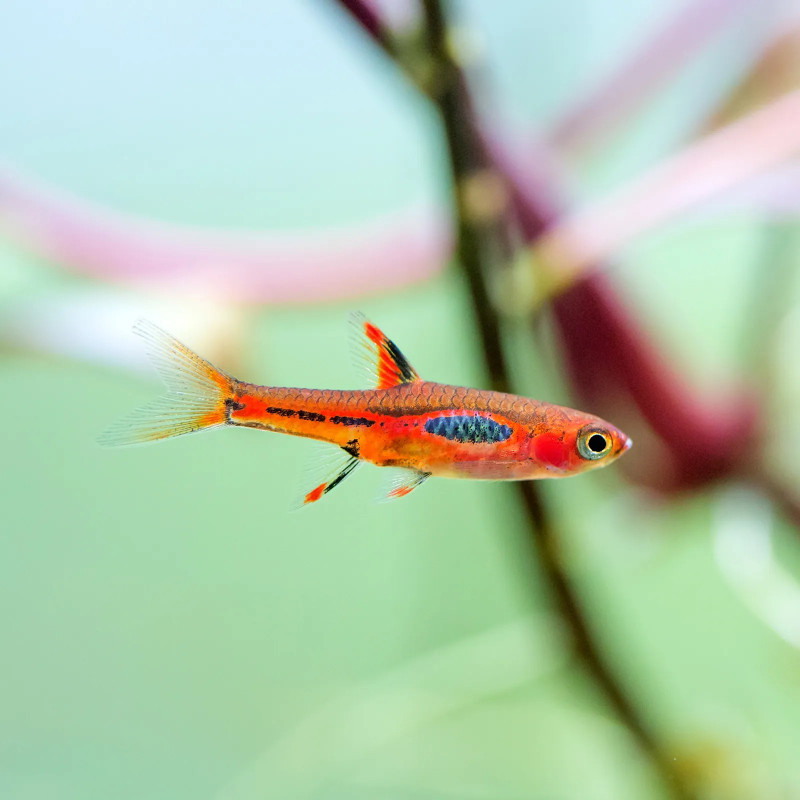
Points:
(626, 445)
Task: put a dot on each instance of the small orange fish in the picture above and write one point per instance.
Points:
(420, 427)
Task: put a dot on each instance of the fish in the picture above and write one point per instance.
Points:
(419, 428)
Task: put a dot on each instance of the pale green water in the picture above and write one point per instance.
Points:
(170, 630)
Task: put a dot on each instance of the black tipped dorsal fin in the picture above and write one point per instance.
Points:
(387, 365)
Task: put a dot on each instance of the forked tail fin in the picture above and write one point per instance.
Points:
(196, 398)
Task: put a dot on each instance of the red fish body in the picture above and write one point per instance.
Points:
(424, 428)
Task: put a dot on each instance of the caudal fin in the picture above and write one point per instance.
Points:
(196, 396)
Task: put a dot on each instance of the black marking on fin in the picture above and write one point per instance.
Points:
(382, 357)
(346, 470)
(468, 429)
(407, 372)
(328, 472)
(352, 447)
(232, 405)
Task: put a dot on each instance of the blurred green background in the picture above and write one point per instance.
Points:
(171, 630)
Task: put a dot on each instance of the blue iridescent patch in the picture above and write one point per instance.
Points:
(472, 429)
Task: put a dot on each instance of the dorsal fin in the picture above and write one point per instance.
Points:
(387, 365)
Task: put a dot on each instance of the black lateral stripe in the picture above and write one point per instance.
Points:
(282, 412)
(312, 416)
(348, 421)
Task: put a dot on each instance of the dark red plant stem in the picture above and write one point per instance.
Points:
(545, 540)
(468, 158)
(608, 355)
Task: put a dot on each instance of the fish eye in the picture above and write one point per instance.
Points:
(594, 444)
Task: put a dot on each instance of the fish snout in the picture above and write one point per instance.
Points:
(625, 444)
(628, 443)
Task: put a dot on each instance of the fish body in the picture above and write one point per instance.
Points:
(449, 431)
(420, 427)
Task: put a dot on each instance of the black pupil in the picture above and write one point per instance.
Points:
(597, 443)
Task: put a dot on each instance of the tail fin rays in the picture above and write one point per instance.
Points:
(196, 396)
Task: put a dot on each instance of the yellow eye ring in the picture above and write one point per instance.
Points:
(593, 444)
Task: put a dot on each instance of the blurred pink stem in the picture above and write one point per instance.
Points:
(774, 194)
(705, 169)
(651, 64)
(276, 267)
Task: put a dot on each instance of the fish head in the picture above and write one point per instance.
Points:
(596, 443)
(574, 442)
